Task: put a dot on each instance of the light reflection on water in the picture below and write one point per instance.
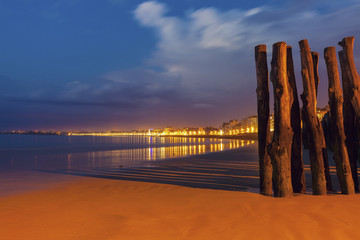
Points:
(136, 157)
(89, 152)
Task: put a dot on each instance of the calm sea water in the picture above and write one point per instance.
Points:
(24, 152)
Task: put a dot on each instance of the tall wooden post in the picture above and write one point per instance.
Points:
(343, 168)
(353, 77)
(350, 90)
(314, 130)
(280, 147)
(262, 91)
(297, 165)
(315, 58)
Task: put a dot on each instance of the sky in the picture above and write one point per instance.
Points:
(129, 64)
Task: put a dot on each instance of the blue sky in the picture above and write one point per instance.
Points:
(121, 64)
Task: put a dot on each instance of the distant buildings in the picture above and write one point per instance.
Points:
(36, 132)
(246, 125)
(178, 132)
(250, 124)
(232, 128)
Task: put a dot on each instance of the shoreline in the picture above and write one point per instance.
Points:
(242, 136)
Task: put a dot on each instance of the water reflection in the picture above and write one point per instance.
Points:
(89, 152)
(136, 157)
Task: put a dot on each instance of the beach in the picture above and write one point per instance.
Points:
(211, 196)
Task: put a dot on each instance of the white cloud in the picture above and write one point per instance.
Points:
(151, 13)
(204, 48)
(216, 30)
(212, 50)
(253, 11)
(204, 28)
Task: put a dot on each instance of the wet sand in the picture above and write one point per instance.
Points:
(212, 196)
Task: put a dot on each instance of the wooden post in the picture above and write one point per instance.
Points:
(314, 130)
(280, 147)
(353, 77)
(315, 58)
(349, 121)
(343, 168)
(262, 91)
(297, 165)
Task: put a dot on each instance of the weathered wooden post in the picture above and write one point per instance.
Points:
(343, 168)
(297, 165)
(350, 90)
(315, 58)
(262, 91)
(314, 130)
(280, 147)
(354, 79)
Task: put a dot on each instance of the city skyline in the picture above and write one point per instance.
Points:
(120, 64)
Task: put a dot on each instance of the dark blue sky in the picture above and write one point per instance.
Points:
(121, 64)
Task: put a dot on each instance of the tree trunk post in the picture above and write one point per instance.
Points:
(280, 147)
(353, 77)
(315, 58)
(314, 131)
(262, 91)
(349, 120)
(341, 158)
(297, 165)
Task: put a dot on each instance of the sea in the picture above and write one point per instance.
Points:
(52, 152)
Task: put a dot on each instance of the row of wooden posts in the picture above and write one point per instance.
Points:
(280, 158)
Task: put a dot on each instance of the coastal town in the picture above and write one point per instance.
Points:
(247, 126)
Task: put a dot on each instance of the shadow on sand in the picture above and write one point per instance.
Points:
(235, 170)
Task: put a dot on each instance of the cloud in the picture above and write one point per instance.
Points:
(202, 70)
(66, 102)
(120, 89)
(205, 28)
(204, 48)
(216, 30)
(212, 50)
(151, 14)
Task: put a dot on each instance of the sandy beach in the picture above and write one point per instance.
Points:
(211, 196)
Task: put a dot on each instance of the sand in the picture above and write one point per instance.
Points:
(105, 205)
